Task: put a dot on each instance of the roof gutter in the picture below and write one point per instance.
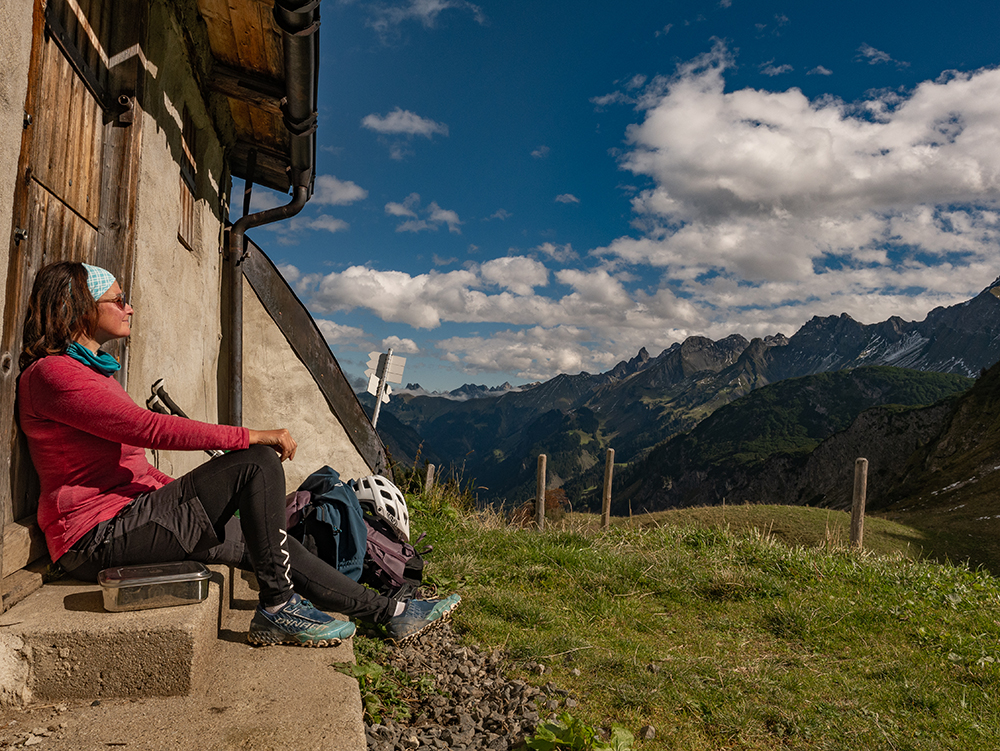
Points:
(299, 24)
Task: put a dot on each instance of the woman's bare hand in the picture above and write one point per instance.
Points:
(281, 440)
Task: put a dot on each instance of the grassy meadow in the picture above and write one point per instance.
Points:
(741, 627)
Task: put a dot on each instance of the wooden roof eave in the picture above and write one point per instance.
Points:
(270, 86)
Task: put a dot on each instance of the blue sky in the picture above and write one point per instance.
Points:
(508, 191)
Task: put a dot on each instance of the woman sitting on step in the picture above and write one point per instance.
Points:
(103, 505)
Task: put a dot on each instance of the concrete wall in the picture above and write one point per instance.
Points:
(15, 54)
(176, 291)
(278, 392)
(177, 327)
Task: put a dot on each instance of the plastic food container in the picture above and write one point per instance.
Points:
(154, 585)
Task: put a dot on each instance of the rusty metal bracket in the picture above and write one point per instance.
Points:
(126, 104)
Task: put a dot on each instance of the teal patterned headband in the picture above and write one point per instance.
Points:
(99, 280)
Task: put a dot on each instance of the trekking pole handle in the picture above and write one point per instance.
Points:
(171, 404)
(156, 404)
(161, 402)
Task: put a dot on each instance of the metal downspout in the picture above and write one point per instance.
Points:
(236, 233)
(299, 24)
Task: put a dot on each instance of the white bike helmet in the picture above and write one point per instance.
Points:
(383, 499)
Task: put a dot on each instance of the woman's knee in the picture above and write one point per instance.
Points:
(263, 455)
(267, 459)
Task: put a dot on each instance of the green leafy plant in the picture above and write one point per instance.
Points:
(568, 732)
(385, 691)
(378, 695)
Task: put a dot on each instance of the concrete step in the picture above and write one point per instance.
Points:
(66, 646)
(241, 698)
(60, 644)
(173, 678)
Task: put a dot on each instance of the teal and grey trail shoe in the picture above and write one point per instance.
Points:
(298, 622)
(420, 615)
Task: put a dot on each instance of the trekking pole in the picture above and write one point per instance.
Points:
(161, 402)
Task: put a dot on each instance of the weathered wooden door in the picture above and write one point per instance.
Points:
(77, 177)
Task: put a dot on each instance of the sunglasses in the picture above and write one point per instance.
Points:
(120, 301)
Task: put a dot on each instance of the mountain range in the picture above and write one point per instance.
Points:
(493, 436)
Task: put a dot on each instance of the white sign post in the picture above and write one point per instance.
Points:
(382, 369)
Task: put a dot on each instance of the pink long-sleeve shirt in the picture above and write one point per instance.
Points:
(87, 439)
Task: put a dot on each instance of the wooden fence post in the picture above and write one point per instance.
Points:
(429, 480)
(858, 508)
(609, 469)
(540, 494)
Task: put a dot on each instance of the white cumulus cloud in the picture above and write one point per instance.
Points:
(434, 217)
(437, 215)
(560, 253)
(336, 333)
(872, 55)
(770, 69)
(400, 346)
(725, 160)
(404, 122)
(534, 353)
(405, 208)
(387, 17)
(519, 274)
(333, 192)
(325, 222)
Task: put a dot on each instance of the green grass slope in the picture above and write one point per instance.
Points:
(737, 627)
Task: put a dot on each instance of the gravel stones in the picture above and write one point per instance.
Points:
(475, 709)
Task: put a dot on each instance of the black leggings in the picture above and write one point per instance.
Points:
(192, 518)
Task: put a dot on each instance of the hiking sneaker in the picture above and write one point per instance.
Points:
(298, 622)
(420, 615)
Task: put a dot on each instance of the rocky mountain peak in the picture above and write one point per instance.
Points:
(993, 289)
(756, 349)
(755, 360)
(625, 369)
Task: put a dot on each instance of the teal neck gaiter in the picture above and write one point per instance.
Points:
(102, 362)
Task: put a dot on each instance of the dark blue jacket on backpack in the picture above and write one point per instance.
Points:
(333, 527)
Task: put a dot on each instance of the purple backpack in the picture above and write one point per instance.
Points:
(392, 566)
